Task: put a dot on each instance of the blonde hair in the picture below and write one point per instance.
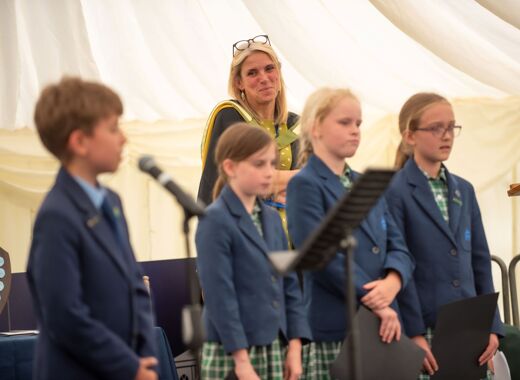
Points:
(318, 105)
(409, 117)
(280, 108)
(237, 143)
(72, 104)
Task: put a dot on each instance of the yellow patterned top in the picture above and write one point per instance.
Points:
(285, 152)
(284, 139)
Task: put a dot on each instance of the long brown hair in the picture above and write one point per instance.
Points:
(280, 107)
(237, 143)
(409, 117)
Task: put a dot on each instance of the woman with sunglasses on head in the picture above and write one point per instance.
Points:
(258, 98)
(439, 217)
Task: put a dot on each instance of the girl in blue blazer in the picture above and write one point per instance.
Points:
(330, 134)
(439, 217)
(252, 315)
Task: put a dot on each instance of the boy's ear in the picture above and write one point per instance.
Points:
(76, 143)
(228, 166)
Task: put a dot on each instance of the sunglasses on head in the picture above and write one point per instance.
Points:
(244, 44)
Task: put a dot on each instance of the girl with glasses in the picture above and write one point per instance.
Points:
(439, 216)
(257, 93)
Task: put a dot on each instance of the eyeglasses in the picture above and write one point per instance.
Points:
(439, 130)
(244, 44)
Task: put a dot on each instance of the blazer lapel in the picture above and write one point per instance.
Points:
(423, 195)
(371, 220)
(271, 232)
(370, 223)
(330, 180)
(102, 232)
(244, 222)
(454, 202)
(336, 189)
(96, 224)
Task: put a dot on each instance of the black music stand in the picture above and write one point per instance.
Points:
(334, 235)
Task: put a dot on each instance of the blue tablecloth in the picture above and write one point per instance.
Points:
(16, 357)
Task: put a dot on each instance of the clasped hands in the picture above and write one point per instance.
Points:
(380, 295)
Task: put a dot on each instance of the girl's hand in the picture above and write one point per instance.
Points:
(145, 370)
(243, 367)
(429, 364)
(390, 326)
(293, 361)
(246, 372)
(382, 292)
(490, 350)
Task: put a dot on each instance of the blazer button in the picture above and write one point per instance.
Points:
(453, 252)
(273, 278)
(455, 283)
(375, 249)
(275, 304)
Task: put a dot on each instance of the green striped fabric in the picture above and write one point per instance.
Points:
(268, 361)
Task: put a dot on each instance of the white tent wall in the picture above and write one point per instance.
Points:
(169, 61)
(27, 171)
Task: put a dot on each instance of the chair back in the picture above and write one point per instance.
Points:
(505, 287)
(5, 278)
(514, 290)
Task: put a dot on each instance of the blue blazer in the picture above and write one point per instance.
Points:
(310, 194)
(94, 312)
(452, 259)
(246, 302)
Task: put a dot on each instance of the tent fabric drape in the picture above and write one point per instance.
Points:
(169, 61)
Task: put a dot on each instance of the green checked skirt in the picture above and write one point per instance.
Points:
(429, 338)
(317, 358)
(268, 361)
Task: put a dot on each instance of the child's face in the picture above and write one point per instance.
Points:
(427, 147)
(103, 148)
(254, 175)
(338, 133)
(259, 79)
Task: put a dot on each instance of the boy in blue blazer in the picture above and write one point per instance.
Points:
(440, 219)
(94, 312)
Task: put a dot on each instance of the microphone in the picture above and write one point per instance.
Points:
(191, 207)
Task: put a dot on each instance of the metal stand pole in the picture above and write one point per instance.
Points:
(192, 331)
(348, 245)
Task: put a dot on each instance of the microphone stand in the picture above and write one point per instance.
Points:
(192, 330)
